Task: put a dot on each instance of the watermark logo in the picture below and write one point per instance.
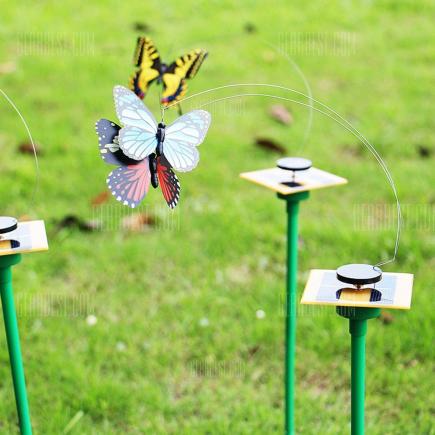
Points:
(296, 309)
(113, 217)
(229, 106)
(318, 43)
(380, 217)
(53, 305)
(216, 369)
(55, 44)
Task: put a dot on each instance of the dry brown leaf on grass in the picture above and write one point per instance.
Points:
(253, 350)
(8, 67)
(268, 56)
(138, 222)
(424, 151)
(141, 26)
(386, 318)
(352, 150)
(101, 198)
(257, 374)
(411, 363)
(250, 27)
(281, 114)
(270, 145)
(27, 148)
(72, 221)
(238, 274)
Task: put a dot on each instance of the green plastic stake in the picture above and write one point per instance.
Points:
(358, 328)
(290, 316)
(13, 340)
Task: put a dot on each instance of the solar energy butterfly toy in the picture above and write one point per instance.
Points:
(173, 76)
(146, 152)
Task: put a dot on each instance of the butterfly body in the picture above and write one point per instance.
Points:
(160, 138)
(163, 70)
(173, 76)
(146, 152)
(153, 171)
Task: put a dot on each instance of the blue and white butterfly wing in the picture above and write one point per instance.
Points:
(108, 133)
(137, 143)
(108, 144)
(131, 110)
(137, 138)
(183, 136)
(129, 183)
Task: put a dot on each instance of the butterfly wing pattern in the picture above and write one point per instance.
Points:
(108, 133)
(147, 61)
(168, 182)
(150, 68)
(183, 136)
(129, 183)
(137, 138)
(133, 147)
(174, 78)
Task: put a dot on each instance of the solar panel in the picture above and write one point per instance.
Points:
(394, 290)
(27, 237)
(284, 182)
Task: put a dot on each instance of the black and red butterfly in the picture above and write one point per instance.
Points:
(129, 183)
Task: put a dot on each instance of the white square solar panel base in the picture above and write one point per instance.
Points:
(28, 237)
(278, 180)
(394, 290)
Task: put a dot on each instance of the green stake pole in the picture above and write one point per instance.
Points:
(13, 339)
(358, 328)
(290, 317)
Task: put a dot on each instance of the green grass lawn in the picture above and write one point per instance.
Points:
(177, 347)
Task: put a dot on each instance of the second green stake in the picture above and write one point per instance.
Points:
(292, 202)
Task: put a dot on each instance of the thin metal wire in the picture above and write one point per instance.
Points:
(37, 176)
(162, 107)
(307, 87)
(310, 100)
(345, 124)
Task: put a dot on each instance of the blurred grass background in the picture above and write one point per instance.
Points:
(180, 344)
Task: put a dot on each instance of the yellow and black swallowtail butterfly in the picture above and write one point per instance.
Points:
(173, 76)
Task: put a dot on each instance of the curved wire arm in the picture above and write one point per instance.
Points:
(330, 113)
(37, 176)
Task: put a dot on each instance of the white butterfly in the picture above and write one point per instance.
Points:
(138, 138)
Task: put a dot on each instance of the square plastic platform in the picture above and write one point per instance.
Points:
(28, 237)
(394, 290)
(281, 181)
